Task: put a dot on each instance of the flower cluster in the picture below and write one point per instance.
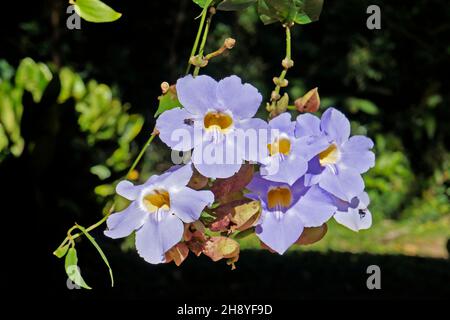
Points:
(309, 171)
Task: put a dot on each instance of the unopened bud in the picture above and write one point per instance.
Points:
(310, 102)
(274, 96)
(229, 43)
(287, 63)
(165, 86)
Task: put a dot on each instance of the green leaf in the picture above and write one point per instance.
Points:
(167, 101)
(33, 77)
(203, 3)
(235, 5)
(104, 190)
(132, 128)
(101, 171)
(72, 270)
(356, 105)
(100, 251)
(61, 251)
(95, 11)
(295, 11)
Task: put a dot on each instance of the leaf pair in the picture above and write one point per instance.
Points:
(289, 11)
(71, 261)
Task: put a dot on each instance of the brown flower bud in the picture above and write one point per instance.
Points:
(310, 102)
(229, 43)
(165, 86)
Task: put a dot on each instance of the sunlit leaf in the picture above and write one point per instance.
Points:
(95, 11)
(61, 251)
(72, 270)
(168, 101)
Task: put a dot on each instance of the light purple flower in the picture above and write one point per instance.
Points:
(157, 211)
(354, 215)
(218, 109)
(338, 168)
(287, 156)
(286, 210)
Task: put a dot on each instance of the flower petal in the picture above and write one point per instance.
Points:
(288, 170)
(335, 125)
(354, 220)
(283, 123)
(188, 204)
(307, 125)
(175, 130)
(175, 179)
(345, 184)
(197, 94)
(252, 139)
(160, 233)
(315, 207)
(128, 190)
(217, 160)
(123, 223)
(356, 154)
(279, 230)
(243, 100)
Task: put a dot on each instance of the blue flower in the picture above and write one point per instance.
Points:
(287, 210)
(338, 167)
(287, 156)
(157, 211)
(217, 110)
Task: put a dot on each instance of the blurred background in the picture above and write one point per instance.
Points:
(77, 105)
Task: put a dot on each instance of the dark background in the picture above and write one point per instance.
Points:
(402, 69)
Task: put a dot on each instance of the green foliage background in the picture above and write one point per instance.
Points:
(75, 105)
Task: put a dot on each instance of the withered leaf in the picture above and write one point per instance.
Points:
(177, 253)
(237, 182)
(244, 216)
(221, 247)
(312, 235)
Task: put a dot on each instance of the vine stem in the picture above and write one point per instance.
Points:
(197, 38)
(205, 37)
(288, 58)
(71, 237)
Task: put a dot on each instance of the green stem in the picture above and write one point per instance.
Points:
(288, 57)
(197, 38)
(202, 45)
(141, 154)
(71, 237)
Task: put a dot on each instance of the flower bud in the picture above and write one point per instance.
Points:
(229, 43)
(165, 86)
(274, 96)
(287, 63)
(310, 102)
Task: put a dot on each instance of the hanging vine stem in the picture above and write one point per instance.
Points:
(71, 237)
(287, 63)
(212, 12)
(197, 38)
